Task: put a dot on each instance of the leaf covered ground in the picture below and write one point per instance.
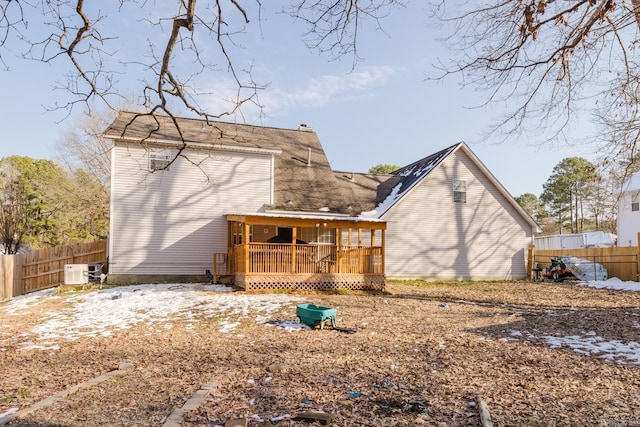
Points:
(538, 355)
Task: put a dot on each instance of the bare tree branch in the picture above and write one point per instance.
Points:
(202, 33)
(333, 25)
(552, 60)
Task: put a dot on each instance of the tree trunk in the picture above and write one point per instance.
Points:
(636, 10)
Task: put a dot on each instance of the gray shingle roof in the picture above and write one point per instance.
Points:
(304, 180)
(361, 190)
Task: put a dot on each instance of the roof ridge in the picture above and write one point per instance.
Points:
(309, 129)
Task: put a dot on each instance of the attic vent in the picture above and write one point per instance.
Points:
(305, 128)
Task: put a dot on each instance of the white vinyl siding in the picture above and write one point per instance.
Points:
(171, 222)
(628, 219)
(431, 236)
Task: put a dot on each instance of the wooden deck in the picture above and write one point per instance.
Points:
(353, 259)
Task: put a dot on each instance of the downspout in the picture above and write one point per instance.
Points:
(112, 186)
(272, 180)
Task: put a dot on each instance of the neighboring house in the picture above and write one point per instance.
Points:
(443, 217)
(629, 212)
(22, 250)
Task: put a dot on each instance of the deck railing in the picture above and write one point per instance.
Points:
(304, 259)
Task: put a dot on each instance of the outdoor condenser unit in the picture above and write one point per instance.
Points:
(95, 272)
(76, 274)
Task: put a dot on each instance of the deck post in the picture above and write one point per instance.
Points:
(338, 249)
(294, 237)
(245, 247)
(382, 238)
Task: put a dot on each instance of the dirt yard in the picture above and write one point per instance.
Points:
(538, 355)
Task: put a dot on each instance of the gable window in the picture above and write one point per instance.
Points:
(159, 160)
(460, 191)
(635, 206)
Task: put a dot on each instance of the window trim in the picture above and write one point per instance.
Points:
(159, 160)
(459, 191)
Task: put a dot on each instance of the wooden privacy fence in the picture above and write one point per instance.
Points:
(620, 262)
(44, 268)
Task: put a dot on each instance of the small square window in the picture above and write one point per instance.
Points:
(460, 191)
(635, 206)
(159, 160)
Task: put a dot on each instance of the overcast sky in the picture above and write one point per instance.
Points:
(385, 110)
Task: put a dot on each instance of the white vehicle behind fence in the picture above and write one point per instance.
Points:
(590, 239)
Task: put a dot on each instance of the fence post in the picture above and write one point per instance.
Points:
(18, 275)
(531, 253)
(638, 259)
(6, 278)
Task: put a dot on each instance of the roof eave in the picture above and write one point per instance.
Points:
(536, 228)
(194, 144)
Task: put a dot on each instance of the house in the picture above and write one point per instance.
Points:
(23, 249)
(448, 217)
(258, 204)
(628, 223)
(263, 206)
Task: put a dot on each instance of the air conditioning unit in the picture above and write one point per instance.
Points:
(96, 271)
(76, 274)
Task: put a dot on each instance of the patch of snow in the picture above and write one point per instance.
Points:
(289, 325)
(612, 283)
(159, 306)
(18, 305)
(8, 412)
(590, 344)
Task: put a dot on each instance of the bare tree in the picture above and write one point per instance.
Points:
(201, 33)
(82, 146)
(552, 61)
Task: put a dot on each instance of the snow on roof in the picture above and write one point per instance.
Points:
(408, 176)
(385, 205)
(307, 215)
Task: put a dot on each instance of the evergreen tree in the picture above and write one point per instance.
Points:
(566, 192)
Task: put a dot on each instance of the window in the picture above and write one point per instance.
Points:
(635, 206)
(327, 236)
(159, 160)
(460, 191)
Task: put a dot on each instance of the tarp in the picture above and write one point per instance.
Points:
(585, 270)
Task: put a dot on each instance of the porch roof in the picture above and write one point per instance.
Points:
(308, 220)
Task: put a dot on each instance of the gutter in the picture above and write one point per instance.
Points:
(193, 144)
